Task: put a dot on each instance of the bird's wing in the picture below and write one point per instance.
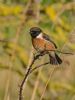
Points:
(45, 36)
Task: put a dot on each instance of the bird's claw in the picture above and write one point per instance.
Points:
(36, 55)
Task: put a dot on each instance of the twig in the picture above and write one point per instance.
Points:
(60, 52)
(21, 87)
(49, 79)
(4, 40)
(64, 52)
(26, 75)
(41, 65)
(36, 84)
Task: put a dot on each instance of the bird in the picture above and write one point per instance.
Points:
(42, 43)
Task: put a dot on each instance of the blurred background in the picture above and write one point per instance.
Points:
(57, 19)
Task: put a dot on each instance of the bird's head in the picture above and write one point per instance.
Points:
(35, 31)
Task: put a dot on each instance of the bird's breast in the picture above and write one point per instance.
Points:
(42, 44)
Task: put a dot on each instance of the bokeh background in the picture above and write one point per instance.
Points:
(57, 19)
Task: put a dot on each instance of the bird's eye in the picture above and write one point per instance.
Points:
(32, 32)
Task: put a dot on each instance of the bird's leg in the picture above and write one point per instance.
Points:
(41, 53)
(36, 53)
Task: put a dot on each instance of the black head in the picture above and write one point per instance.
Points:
(35, 31)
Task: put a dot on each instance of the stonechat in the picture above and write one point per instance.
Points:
(42, 43)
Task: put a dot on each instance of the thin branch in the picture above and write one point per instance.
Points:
(21, 87)
(49, 79)
(56, 50)
(26, 75)
(41, 65)
(2, 40)
(64, 52)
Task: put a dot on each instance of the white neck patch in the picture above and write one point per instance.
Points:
(40, 36)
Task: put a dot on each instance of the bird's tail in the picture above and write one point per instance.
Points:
(55, 59)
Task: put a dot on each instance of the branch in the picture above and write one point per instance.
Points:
(48, 62)
(61, 52)
(41, 65)
(26, 75)
(4, 40)
(64, 52)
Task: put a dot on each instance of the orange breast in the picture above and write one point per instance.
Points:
(42, 44)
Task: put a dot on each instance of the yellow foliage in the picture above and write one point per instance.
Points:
(57, 6)
(51, 13)
(17, 9)
(71, 45)
(57, 85)
(10, 10)
(55, 17)
(61, 34)
(20, 51)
